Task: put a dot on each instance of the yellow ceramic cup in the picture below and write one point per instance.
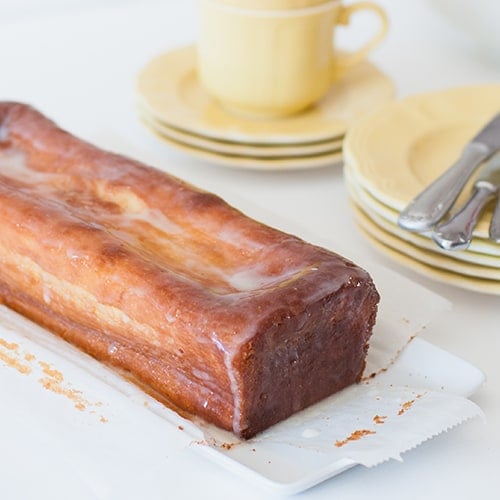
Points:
(269, 63)
(272, 4)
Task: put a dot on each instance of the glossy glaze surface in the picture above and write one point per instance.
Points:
(169, 282)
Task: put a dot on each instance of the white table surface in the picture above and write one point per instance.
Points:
(76, 61)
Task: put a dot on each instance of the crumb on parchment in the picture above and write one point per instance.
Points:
(380, 419)
(355, 436)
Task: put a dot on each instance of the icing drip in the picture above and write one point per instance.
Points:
(235, 386)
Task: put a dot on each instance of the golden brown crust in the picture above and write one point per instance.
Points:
(225, 317)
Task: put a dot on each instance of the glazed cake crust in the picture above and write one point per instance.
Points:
(218, 315)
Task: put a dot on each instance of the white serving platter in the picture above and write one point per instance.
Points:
(69, 422)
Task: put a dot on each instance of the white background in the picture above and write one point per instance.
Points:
(77, 60)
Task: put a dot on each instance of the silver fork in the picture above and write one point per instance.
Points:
(456, 233)
(495, 223)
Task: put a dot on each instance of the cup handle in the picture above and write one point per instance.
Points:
(343, 62)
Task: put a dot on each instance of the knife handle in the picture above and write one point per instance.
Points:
(495, 223)
(432, 204)
(456, 233)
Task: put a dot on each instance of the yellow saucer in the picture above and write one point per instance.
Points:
(399, 149)
(426, 263)
(233, 148)
(169, 89)
(255, 163)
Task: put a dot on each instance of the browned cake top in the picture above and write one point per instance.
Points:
(182, 242)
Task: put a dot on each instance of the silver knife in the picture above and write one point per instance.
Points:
(430, 206)
(456, 233)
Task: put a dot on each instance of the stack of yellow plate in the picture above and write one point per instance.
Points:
(394, 153)
(174, 106)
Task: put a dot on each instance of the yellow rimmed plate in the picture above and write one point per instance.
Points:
(168, 88)
(254, 163)
(236, 149)
(423, 242)
(480, 249)
(424, 262)
(399, 149)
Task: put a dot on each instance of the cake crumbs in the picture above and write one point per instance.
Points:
(380, 419)
(54, 385)
(355, 436)
(371, 376)
(180, 427)
(53, 379)
(51, 372)
(53, 382)
(11, 346)
(103, 419)
(15, 363)
(408, 404)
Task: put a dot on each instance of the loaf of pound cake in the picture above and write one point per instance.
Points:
(213, 313)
